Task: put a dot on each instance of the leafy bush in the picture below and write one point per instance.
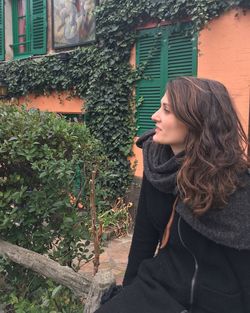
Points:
(46, 299)
(45, 167)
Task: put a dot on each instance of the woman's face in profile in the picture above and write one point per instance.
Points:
(169, 130)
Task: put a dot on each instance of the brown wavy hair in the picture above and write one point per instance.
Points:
(215, 147)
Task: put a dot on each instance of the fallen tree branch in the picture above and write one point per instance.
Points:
(102, 281)
(63, 275)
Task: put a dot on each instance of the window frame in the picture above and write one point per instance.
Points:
(15, 25)
(35, 35)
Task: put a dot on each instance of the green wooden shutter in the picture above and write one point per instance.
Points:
(38, 26)
(174, 55)
(182, 55)
(148, 91)
(2, 46)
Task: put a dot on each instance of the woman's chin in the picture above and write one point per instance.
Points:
(157, 139)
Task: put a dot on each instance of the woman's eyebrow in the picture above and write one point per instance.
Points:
(165, 104)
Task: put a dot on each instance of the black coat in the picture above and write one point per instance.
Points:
(192, 274)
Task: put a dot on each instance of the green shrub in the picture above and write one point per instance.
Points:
(45, 167)
(46, 299)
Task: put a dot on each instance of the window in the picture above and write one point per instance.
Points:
(74, 117)
(168, 55)
(2, 47)
(29, 27)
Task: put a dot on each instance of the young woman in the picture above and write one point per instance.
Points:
(190, 251)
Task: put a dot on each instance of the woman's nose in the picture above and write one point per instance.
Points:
(155, 116)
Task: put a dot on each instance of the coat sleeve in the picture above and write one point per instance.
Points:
(145, 238)
(240, 262)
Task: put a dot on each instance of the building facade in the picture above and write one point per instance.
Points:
(221, 51)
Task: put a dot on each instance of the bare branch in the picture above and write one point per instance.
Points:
(95, 235)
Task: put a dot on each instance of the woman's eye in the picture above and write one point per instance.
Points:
(166, 109)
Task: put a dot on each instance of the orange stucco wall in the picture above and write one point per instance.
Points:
(55, 102)
(224, 55)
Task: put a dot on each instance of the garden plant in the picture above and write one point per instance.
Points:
(45, 169)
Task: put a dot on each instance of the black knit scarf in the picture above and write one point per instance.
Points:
(229, 226)
(160, 164)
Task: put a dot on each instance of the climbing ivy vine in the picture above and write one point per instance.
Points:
(101, 74)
